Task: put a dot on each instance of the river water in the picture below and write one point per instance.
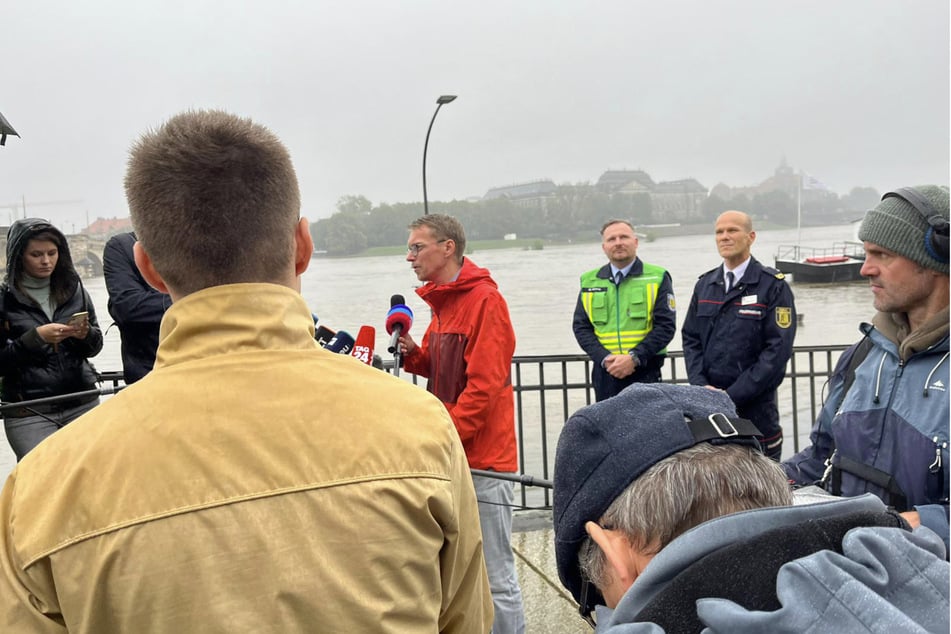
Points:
(541, 288)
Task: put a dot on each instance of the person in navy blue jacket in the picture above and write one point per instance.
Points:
(136, 307)
(739, 330)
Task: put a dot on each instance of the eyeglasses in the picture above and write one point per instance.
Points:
(414, 249)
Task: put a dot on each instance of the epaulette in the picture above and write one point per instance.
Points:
(779, 275)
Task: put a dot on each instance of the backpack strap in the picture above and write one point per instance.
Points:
(859, 354)
(839, 463)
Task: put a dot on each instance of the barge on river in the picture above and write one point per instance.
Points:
(842, 262)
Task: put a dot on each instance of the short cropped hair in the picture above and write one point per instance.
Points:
(214, 200)
(614, 221)
(444, 227)
(685, 490)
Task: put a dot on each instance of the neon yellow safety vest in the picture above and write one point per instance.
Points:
(622, 315)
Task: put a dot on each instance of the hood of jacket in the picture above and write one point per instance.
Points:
(19, 235)
(470, 277)
(896, 328)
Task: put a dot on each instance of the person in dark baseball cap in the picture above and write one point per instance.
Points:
(668, 517)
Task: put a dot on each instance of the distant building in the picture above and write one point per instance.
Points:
(533, 194)
(679, 200)
(104, 228)
(625, 181)
(784, 179)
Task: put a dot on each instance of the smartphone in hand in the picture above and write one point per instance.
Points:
(77, 320)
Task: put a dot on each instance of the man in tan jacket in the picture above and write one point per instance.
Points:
(252, 482)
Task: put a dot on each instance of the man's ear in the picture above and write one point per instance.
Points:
(304, 247)
(144, 262)
(618, 553)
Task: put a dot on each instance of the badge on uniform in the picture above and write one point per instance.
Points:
(783, 316)
(671, 302)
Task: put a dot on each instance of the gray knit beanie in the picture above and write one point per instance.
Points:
(897, 226)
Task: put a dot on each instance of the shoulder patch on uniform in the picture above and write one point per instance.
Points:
(779, 275)
(784, 316)
(671, 302)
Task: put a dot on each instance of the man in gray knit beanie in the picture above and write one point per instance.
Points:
(884, 427)
(898, 225)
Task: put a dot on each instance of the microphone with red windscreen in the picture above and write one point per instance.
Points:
(398, 321)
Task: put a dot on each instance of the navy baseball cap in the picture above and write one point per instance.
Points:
(604, 447)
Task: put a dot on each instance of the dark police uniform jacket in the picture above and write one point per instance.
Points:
(741, 341)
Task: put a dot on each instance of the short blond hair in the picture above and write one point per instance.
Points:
(444, 228)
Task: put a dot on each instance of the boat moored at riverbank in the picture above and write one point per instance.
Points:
(842, 262)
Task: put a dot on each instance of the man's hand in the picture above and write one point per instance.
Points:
(619, 366)
(407, 345)
(912, 518)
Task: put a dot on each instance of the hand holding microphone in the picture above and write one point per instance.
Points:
(398, 322)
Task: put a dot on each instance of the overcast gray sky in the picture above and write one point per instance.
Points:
(854, 92)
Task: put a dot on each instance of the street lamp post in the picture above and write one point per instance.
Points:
(443, 99)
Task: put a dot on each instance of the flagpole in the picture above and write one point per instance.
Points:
(799, 214)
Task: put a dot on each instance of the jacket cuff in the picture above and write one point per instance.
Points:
(935, 517)
(637, 360)
(32, 340)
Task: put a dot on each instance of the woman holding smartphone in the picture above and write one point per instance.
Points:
(48, 331)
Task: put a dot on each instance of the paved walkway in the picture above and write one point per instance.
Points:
(549, 609)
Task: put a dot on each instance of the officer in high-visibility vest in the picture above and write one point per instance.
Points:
(626, 314)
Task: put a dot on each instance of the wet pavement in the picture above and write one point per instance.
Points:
(549, 609)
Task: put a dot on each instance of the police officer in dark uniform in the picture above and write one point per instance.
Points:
(739, 330)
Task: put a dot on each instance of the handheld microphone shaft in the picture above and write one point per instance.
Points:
(521, 478)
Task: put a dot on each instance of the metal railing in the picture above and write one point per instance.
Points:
(548, 389)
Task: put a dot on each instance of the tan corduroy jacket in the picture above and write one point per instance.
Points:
(250, 483)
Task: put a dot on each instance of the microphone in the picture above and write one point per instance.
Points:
(342, 342)
(363, 348)
(398, 321)
(323, 335)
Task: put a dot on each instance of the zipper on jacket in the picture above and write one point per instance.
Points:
(617, 317)
(825, 474)
(935, 466)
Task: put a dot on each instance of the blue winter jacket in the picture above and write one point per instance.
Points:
(883, 580)
(893, 418)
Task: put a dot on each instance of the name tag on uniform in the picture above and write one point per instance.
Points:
(594, 289)
(749, 299)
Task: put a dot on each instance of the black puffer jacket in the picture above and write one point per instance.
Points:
(32, 368)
